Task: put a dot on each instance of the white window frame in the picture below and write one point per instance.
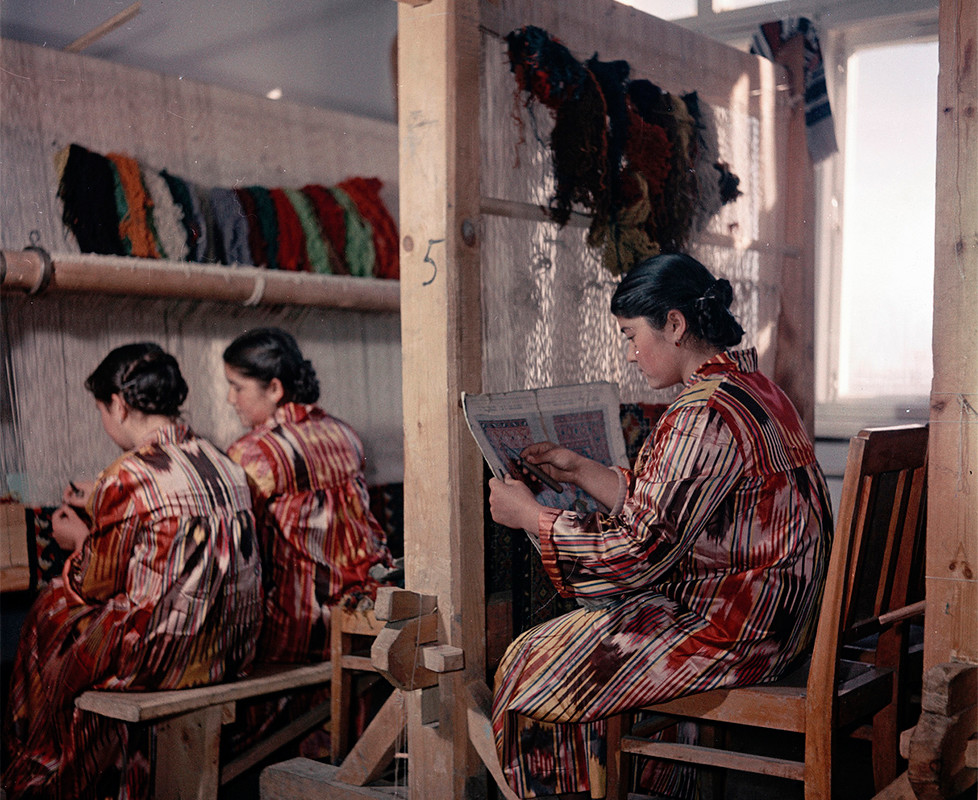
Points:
(837, 417)
(843, 26)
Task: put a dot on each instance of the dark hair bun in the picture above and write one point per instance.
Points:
(713, 317)
(147, 378)
(153, 384)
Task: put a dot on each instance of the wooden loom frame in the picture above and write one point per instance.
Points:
(439, 63)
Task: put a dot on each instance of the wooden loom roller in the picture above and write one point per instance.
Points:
(34, 271)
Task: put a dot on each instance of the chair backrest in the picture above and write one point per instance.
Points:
(877, 552)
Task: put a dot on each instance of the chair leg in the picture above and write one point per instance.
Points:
(818, 765)
(616, 785)
(340, 688)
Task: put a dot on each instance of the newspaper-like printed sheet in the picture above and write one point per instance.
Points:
(584, 418)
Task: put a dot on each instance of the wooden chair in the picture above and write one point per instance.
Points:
(878, 532)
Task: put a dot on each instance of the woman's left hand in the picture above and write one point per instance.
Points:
(513, 504)
(68, 529)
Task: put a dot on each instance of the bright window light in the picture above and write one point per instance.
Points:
(888, 222)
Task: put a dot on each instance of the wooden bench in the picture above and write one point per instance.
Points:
(186, 723)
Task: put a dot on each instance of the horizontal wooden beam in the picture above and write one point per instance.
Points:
(34, 272)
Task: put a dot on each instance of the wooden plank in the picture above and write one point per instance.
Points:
(299, 726)
(15, 573)
(950, 632)
(144, 706)
(747, 705)
(478, 704)
(88, 39)
(724, 759)
(441, 339)
(900, 789)
(374, 750)
(187, 751)
(313, 780)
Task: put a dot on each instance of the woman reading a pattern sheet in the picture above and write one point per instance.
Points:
(162, 589)
(708, 568)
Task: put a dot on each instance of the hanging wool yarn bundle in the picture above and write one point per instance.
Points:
(292, 253)
(86, 186)
(231, 226)
(360, 254)
(365, 193)
(317, 250)
(547, 72)
(135, 208)
(332, 221)
(113, 205)
(623, 149)
(194, 224)
(167, 216)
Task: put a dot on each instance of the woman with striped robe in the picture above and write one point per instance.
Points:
(319, 539)
(707, 569)
(162, 590)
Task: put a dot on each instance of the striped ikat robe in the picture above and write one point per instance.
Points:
(165, 594)
(710, 574)
(319, 538)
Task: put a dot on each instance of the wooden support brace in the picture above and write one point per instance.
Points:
(187, 758)
(393, 604)
(376, 747)
(395, 652)
(443, 658)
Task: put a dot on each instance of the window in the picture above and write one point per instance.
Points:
(876, 244)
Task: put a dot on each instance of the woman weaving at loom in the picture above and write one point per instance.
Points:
(709, 567)
(319, 539)
(162, 590)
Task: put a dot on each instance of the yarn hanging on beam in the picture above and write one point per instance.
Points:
(623, 149)
(115, 205)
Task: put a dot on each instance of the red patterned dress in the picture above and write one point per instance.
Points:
(165, 594)
(709, 573)
(319, 539)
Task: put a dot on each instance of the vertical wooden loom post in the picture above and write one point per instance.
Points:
(950, 633)
(441, 333)
(794, 368)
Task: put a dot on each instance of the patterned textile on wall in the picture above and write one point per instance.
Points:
(47, 559)
(387, 505)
